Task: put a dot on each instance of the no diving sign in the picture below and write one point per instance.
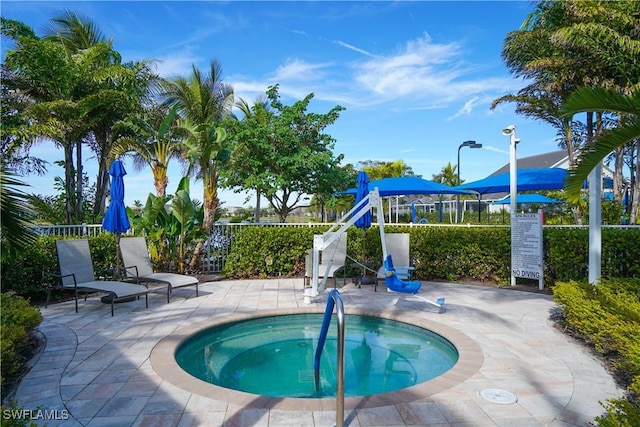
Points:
(526, 247)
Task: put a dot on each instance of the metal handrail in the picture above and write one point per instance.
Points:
(333, 299)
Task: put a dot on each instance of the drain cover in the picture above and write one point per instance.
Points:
(499, 396)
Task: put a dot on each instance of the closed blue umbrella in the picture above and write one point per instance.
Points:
(362, 192)
(364, 222)
(414, 215)
(116, 220)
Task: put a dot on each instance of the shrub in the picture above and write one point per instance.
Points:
(18, 320)
(608, 316)
(438, 253)
(24, 274)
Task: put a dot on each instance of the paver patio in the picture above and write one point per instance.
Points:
(98, 370)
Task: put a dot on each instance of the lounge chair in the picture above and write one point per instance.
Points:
(76, 272)
(333, 258)
(137, 265)
(398, 248)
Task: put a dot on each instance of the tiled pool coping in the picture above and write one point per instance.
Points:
(163, 361)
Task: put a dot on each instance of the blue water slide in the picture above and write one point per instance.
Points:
(394, 283)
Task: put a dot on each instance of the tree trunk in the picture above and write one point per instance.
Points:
(69, 182)
(633, 217)
(78, 207)
(160, 180)
(210, 206)
(103, 152)
(618, 184)
(256, 213)
(568, 136)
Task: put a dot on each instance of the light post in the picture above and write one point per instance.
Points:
(510, 131)
(470, 144)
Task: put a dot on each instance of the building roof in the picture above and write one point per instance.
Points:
(552, 159)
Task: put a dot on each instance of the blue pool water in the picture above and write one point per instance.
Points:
(273, 356)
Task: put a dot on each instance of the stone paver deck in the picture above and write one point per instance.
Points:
(98, 370)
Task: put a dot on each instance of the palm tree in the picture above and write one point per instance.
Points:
(113, 90)
(627, 107)
(151, 141)
(605, 33)
(202, 102)
(447, 176)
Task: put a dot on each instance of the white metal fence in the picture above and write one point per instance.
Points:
(215, 251)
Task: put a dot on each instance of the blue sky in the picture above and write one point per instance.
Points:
(416, 78)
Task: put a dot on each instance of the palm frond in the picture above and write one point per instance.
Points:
(600, 99)
(603, 145)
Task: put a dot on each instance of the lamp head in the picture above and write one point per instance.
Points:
(509, 130)
(470, 144)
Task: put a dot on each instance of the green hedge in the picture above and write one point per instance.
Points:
(439, 253)
(24, 274)
(608, 316)
(18, 320)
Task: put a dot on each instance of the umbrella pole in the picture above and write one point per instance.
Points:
(116, 274)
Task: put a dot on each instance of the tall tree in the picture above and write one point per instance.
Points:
(114, 91)
(262, 114)
(203, 102)
(552, 70)
(54, 108)
(77, 90)
(564, 46)
(289, 157)
(607, 35)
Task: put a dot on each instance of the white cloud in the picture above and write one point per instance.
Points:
(296, 69)
(466, 108)
(176, 64)
(353, 48)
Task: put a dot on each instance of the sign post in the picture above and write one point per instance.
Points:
(526, 247)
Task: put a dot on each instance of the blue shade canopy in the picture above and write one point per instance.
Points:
(116, 219)
(362, 192)
(528, 180)
(528, 198)
(408, 185)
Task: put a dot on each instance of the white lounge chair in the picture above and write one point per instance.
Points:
(398, 248)
(137, 265)
(76, 272)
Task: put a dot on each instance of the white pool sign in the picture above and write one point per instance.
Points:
(526, 247)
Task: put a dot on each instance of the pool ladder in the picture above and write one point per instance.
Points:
(334, 299)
